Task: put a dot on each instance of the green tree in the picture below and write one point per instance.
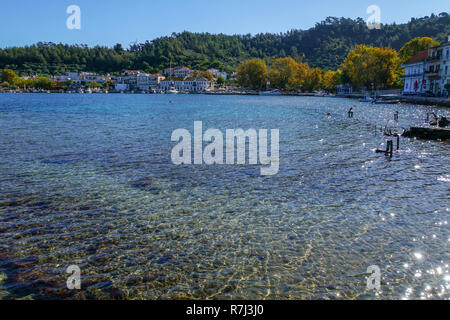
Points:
(44, 83)
(20, 82)
(94, 84)
(221, 81)
(200, 75)
(415, 46)
(106, 85)
(252, 74)
(9, 76)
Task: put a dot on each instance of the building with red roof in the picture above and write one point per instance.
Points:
(415, 82)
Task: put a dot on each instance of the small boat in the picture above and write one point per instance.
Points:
(367, 99)
(319, 94)
(172, 90)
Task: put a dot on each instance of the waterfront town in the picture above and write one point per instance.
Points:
(173, 80)
(425, 75)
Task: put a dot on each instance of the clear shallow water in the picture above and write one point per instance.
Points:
(88, 180)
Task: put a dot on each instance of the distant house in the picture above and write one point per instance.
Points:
(121, 87)
(446, 64)
(191, 85)
(436, 69)
(131, 73)
(146, 82)
(178, 72)
(128, 77)
(88, 77)
(74, 76)
(415, 82)
(217, 73)
(136, 80)
(75, 87)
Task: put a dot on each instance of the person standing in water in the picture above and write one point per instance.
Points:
(350, 113)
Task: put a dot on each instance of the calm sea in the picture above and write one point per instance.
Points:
(87, 180)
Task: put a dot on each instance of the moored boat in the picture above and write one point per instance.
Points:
(172, 90)
(367, 99)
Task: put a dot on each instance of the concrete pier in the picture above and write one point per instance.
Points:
(428, 133)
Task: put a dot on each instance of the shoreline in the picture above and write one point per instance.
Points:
(426, 101)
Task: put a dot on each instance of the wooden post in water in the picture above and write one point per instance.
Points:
(396, 116)
(390, 148)
(398, 142)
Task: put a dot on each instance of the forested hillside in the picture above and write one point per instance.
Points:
(325, 45)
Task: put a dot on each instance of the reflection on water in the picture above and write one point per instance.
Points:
(87, 180)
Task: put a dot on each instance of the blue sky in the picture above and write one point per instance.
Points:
(107, 22)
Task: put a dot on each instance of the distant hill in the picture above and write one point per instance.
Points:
(325, 45)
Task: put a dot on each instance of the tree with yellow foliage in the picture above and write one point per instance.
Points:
(368, 65)
(331, 79)
(8, 76)
(287, 74)
(252, 74)
(313, 79)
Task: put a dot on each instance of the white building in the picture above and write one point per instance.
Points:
(186, 85)
(133, 79)
(217, 73)
(428, 71)
(74, 76)
(146, 82)
(121, 87)
(432, 82)
(415, 74)
(178, 72)
(128, 77)
(445, 77)
(88, 77)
